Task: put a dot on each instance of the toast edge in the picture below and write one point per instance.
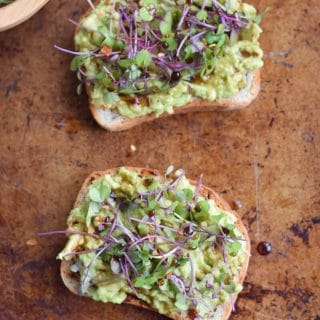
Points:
(100, 114)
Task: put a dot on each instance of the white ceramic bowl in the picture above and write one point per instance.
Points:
(19, 11)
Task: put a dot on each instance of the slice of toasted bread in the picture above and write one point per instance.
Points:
(223, 312)
(113, 121)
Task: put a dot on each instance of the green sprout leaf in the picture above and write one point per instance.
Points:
(125, 63)
(144, 255)
(172, 44)
(234, 247)
(140, 282)
(152, 205)
(79, 89)
(169, 170)
(92, 210)
(146, 3)
(117, 250)
(145, 15)
(77, 62)
(201, 210)
(94, 194)
(133, 73)
(181, 211)
(211, 37)
(143, 59)
(194, 242)
(153, 185)
(99, 190)
(179, 195)
(111, 98)
(260, 16)
(182, 261)
(166, 24)
(188, 194)
(202, 15)
(220, 29)
(216, 218)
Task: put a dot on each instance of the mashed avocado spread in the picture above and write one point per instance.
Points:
(149, 56)
(156, 238)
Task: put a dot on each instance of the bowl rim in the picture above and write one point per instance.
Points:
(19, 11)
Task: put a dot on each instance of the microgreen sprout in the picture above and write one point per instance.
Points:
(148, 45)
(146, 244)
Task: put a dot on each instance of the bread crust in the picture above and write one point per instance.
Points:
(73, 284)
(196, 105)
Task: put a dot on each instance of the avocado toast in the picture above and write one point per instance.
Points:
(141, 60)
(160, 242)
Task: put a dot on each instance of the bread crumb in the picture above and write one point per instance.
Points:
(132, 150)
(32, 242)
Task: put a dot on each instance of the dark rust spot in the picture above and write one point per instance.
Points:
(303, 228)
(268, 153)
(256, 292)
(250, 216)
(272, 120)
(59, 311)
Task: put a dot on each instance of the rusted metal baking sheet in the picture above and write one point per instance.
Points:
(267, 156)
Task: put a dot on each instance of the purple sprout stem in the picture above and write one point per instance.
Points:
(125, 272)
(130, 53)
(176, 182)
(149, 237)
(78, 53)
(183, 15)
(229, 238)
(217, 4)
(68, 232)
(76, 23)
(114, 223)
(225, 258)
(123, 12)
(145, 35)
(154, 34)
(203, 24)
(131, 263)
(198, 187)
(166, 254)
(91, 4)
(91, 263)
(192, 273)
(135, 34)
(90, 77)
(121, 26)
(196, 36)
(182, 43)
(204, 2)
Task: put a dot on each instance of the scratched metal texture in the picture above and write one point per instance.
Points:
(267, 156)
